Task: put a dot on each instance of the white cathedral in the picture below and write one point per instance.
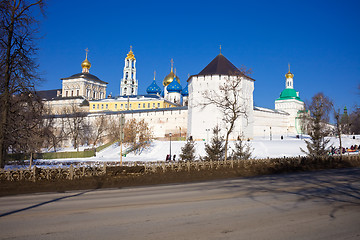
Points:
(180, 111)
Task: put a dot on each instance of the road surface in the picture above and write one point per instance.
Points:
(314, 205)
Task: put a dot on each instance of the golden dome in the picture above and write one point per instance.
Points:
(169, 78)
(86, 64)
(130, 55)
(289, 74)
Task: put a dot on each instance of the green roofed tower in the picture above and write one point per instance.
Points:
(290, 102)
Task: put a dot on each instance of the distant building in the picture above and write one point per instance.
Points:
(125, 103)
(76, 90)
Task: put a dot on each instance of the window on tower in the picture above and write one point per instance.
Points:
(126, 75)
(127, 63)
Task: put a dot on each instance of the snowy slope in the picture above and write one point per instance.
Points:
(157, 151)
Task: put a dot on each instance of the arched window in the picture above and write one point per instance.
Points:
(126, 75)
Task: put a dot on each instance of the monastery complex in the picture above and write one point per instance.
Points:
(175, 109)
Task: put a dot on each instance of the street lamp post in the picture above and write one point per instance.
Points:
(207, 134)
(170, 145)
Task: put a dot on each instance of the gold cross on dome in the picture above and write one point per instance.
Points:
(87, 51)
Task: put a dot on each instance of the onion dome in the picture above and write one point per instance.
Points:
(130, 55)
(86, 64)
(174, 86)
(169, 78)
(153, 88)
(289, 74)
(185, 91)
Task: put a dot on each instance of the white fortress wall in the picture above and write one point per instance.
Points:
(265, 118)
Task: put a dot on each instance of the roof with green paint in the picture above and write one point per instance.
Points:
(288, 93)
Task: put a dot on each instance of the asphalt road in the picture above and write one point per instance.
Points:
(314, 205)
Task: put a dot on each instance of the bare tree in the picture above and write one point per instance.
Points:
(74, 120)
(99, 128)
(18, 27)
(137, 134)
(354, 119)
(338, 126)
(28, 129)
(230, 102)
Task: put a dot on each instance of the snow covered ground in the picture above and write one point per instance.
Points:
(262, 148)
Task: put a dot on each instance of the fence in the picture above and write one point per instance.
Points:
(254, 166)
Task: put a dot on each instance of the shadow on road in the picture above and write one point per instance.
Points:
(44, 203)
(329, 187)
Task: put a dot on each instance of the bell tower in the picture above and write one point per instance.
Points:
(129, 83)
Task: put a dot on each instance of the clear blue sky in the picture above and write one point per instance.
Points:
(320, 39)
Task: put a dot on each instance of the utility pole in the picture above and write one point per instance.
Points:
(122, 123)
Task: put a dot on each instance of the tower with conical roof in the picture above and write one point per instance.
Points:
(129, 83)
(203, 117)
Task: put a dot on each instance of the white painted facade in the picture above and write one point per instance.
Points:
(82, 86)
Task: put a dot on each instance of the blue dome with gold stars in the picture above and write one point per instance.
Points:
(174, 86)
(153, 88)
(185, 91)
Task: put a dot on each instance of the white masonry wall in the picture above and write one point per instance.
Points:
(202, 119)
(268, 121)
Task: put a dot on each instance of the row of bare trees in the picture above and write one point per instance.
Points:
(18, 75)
